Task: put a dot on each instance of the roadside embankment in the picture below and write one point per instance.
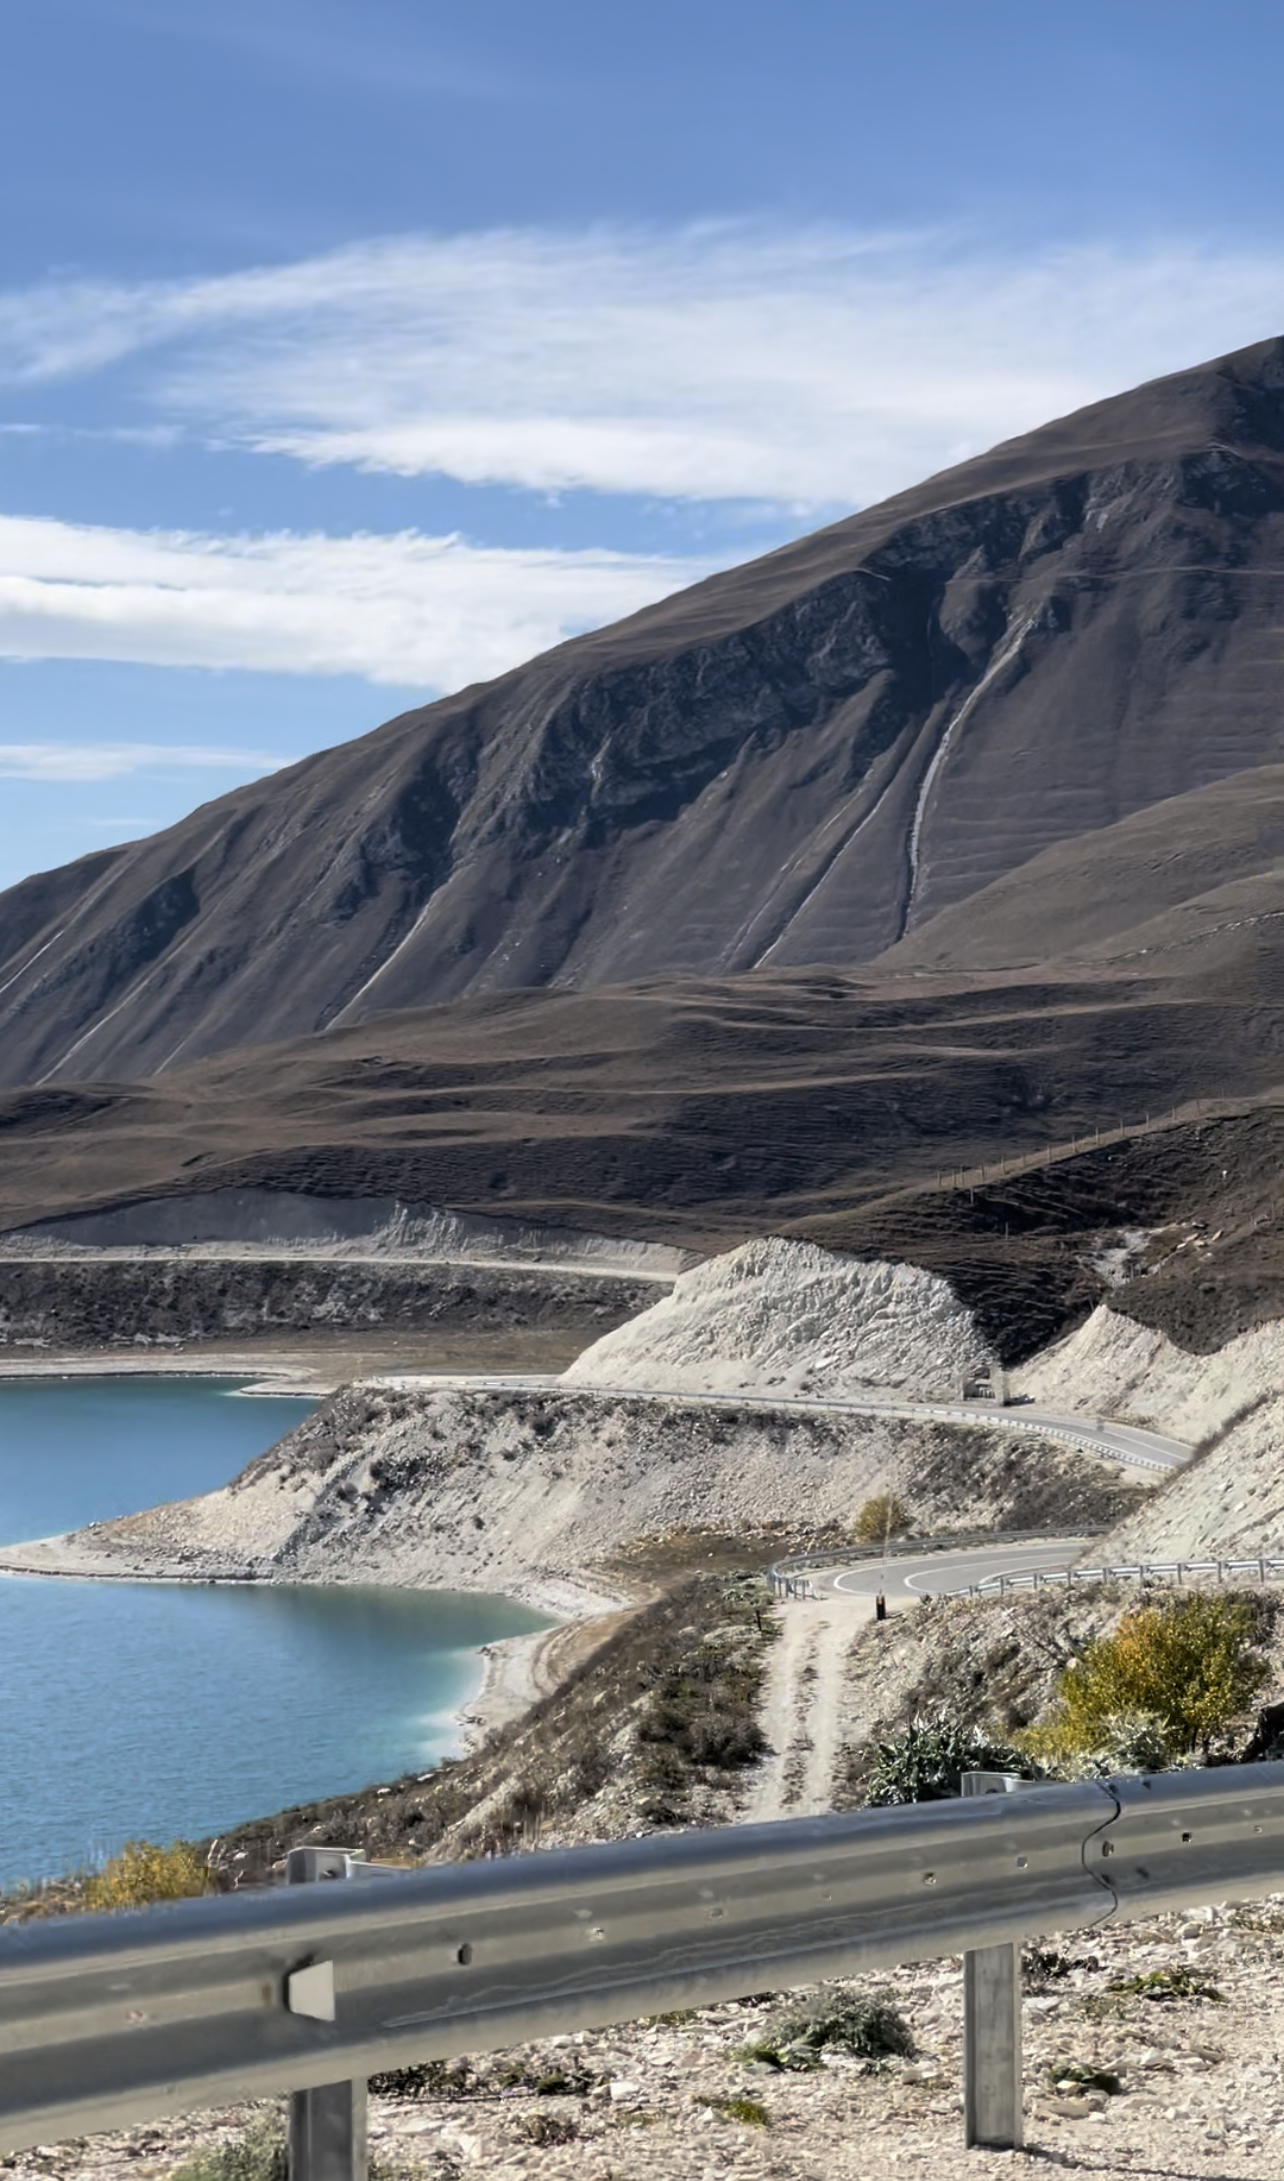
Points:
(530, 1492)
(280, 1222)
(1229, 1502)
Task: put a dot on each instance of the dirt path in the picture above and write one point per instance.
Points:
(801, 1714)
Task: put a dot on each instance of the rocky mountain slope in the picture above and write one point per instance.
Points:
(802, 761)
(532, 1494)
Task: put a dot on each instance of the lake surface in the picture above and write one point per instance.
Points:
(157, 1710)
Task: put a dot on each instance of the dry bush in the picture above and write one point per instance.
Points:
(143, 1873)
(882, 1518)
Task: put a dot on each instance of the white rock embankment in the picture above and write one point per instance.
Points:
(1123, 1369)
(788, 1318)
(1230, 1503)
(528, 1493)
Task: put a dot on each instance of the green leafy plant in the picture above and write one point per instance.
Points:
(927, 1762)
(1182, 1671)
(1179, 1982)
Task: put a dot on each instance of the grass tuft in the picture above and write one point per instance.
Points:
(748, 2111)
(1179, 1982)
(865, 2025)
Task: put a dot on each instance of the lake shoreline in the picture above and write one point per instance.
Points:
(450, 1704)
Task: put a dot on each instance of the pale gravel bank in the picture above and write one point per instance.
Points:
(1229, 1503)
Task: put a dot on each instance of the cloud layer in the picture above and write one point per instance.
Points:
(814, 369)
(410, 610)
(60, 762)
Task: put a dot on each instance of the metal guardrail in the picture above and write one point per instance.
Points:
(110, 2021)
(1262, 1570)
(1095, 1441)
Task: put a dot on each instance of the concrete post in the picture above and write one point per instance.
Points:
(327, 2125)
(992, 2116)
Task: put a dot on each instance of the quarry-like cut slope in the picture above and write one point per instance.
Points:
(801, 761)
(786, 1318)
(1229, 1502)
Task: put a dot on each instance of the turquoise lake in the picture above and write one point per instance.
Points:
(135, 1710)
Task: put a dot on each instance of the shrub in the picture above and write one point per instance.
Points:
(866, 2025)
(547, 2128)
(881, 1518)
(1179, 1982)
(424, 2079)
(702, 1713)
(1077, 2075)
(1131, 1741)
(927, 1762)
(260, 2154)
(1186, 1667)
(143, 1873)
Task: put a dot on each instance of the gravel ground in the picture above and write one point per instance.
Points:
(1202, 2086)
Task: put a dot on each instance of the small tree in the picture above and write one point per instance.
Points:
(1188, 1667)
(881, 1519)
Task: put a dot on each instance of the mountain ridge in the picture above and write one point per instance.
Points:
(805, 760)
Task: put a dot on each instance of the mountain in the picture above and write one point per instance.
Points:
(804, 761)
(1191, 887)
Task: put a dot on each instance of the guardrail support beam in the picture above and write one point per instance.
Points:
(992, 2115)
(328, 2133)
(327, 2140)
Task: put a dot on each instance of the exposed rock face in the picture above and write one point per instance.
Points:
(786, 1318)
(115, 1302)
(801, 761)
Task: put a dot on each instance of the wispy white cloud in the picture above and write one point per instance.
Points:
(82, 761)
(425, 612)
(813, 369)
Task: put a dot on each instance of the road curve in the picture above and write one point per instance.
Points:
(908, 1579)
(1099, 1435)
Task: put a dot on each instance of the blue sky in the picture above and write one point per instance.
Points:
(349, 354)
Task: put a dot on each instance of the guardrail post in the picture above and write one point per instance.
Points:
(992, 2116)
(327, 2125)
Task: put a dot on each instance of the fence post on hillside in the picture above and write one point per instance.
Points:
(992, 2116)
(327, 2125)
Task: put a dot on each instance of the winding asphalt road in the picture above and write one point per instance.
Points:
(1099, 1435)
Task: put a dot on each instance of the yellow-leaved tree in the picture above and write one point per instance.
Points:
(881, 1519)
(1189, 1665)
(144, 1872)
